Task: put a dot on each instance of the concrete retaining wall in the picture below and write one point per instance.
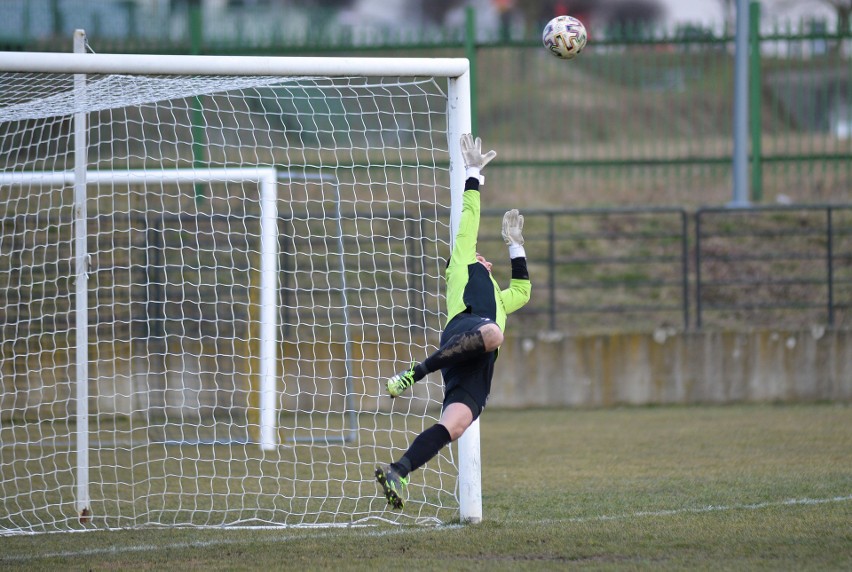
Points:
(556, 370)
(668, 367)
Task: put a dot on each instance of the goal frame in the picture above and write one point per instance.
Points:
(459, 120)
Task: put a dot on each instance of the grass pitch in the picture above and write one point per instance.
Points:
(734, 487)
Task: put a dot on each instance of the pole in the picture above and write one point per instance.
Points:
(754, 101)
(470, 469)
(740, 159)
(196, 27)
(269, 312)
(81, 306)
(470, 53)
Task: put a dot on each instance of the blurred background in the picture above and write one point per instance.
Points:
(654, 282)
(622, 158)
(292, 22)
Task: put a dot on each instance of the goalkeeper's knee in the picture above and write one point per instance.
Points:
(492, 336)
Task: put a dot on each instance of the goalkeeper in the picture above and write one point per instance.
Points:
(477, 309)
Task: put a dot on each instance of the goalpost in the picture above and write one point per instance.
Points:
(208, 266)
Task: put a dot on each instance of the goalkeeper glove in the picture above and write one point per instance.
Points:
(474, 160)
(513, 226)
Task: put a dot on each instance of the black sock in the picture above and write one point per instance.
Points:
(425, 446)
(458, 348)
(420, 371)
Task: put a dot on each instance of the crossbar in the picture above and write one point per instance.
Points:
(127, 64)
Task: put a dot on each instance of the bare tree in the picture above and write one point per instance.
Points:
(728, 12)
(843, 9)
(610, 12)
(634, 12)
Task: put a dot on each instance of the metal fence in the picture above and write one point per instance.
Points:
(643, 117)
(592, 270)
(601, 268)
(784, 266)
(713, 268)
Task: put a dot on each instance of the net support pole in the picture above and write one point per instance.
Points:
(81, 309)
(267, 178)
(268, 311)
(459, 121)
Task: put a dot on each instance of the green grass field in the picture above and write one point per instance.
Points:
(755, 487)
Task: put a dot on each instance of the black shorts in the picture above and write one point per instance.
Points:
(468, 382)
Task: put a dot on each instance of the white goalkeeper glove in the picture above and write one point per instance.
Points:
(474, 160)
(513, 226)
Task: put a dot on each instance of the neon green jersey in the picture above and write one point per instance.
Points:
(470, 286)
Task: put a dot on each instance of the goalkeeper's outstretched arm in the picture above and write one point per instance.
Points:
(464, 248)
(519, 290)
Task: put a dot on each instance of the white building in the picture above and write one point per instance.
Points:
(712, 13)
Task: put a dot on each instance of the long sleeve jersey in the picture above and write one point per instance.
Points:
(470, 287)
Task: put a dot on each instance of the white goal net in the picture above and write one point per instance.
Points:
(205, 279)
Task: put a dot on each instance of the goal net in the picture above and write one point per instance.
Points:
(205, 279)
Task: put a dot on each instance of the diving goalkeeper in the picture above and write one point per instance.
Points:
(477, 309)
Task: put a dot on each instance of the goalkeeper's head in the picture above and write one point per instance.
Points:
(481, 259)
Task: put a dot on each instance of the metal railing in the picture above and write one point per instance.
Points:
(595, 268)
(640, 269)
(774, 265)
(591, 269)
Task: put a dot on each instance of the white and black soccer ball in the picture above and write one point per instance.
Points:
(565, 37)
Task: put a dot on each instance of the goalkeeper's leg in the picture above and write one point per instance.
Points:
(393, 485)
(468, 338)
(394, 477)
(464, 400)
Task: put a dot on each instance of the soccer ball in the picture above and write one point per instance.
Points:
(565, 37)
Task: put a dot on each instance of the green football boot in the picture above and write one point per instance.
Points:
(401, 381)
(393, 485)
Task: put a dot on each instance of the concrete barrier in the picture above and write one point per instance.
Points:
(670, 367)
(550, 369)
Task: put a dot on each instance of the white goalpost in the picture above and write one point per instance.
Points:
(208, 267)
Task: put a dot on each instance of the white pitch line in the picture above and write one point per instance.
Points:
(287, 538)
(699, 510)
